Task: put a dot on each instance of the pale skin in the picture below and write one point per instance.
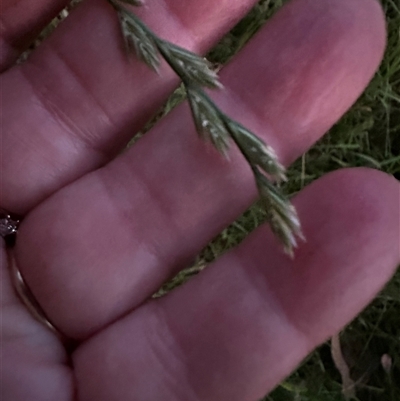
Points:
(96, 243)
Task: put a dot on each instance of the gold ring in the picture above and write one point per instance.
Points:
(27, 298)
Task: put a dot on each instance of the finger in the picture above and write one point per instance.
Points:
(21, 22)
(235, 331)
(112, 238)
(33, 361)
(79, 99)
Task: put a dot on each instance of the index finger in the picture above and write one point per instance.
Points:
(237, 329)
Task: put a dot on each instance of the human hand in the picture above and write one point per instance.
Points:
(101, 233)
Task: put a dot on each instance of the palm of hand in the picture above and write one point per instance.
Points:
(94, 251)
